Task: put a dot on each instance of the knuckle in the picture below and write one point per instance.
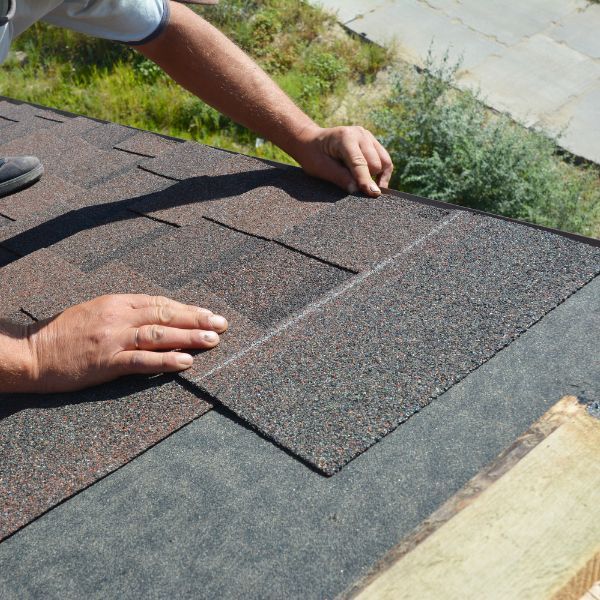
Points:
(157, 333)
(136, 361)
(166, 361)
(164, 314)
(358, 160)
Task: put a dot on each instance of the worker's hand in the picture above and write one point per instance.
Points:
(350, 157)
(116, 335)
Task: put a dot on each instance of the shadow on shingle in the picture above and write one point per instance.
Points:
(191, 196)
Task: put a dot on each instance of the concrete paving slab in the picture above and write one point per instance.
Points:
(346, 10)
(506, 21)
(533, 78)
(529, 59)
(413, 28)
(580, 30)
(582, 118)
(216, 512)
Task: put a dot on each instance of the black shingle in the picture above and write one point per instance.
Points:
(187, 201)
(270, 283)
(53, 445)
(339, 379)
(195, 160)
(22, 128)
(276, 205)
(359, 232)
(107, 136)
(36, 281)
(110, 239)
(71, 158)
(146, 144)
(40, 200)
(189, 253)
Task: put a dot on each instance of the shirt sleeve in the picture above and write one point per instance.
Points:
(4, 41)
(131, 21)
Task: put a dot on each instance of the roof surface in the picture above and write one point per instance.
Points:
(347, 314)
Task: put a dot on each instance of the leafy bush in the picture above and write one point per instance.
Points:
(446, 145)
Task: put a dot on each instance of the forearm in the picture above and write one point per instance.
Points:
(208, 64)
(15, 361)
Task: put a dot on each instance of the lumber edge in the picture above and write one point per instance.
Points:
(565, 410)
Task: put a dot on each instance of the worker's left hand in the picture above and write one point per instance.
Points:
(350, 157)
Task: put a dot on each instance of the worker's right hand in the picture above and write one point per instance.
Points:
(116, 335)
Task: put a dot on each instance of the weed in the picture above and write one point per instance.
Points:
(446, 145)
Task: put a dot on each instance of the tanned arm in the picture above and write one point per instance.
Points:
(200, 58)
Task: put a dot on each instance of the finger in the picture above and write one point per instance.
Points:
(387, 166)
(175, 314)
(372, 156)
(145, 301)
(158, 337)
(143, 362)
(356, 162)
(338, 174)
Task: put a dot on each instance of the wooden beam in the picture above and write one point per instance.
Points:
(527, 527)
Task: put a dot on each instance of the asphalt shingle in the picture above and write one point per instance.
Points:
(146, 144)
(270, 283)
(331, 384)
(347, 314)
(192, 160)
(359, 232)
(112, 238)
(93, 432)
(108, 135)
(188, 201)
(189, 254)
(276, 205)
(40, 200)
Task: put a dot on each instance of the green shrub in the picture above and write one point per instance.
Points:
(446, 145)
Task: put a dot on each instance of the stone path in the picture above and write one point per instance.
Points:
(537, 60)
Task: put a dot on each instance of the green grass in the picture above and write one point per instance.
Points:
(445, 143)
(291, 40)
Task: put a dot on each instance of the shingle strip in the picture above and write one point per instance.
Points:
(146, 144)
(106, 136)
(188, 201)
(280, 203)
(53, 446)
(76, 161)
(40, 200)
(191, 159)
(330, 384)
(359, 232)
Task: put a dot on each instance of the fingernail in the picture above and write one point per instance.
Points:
(218, 322)
(211, 336)
(374, 189)
(184, 360)
(352, 188)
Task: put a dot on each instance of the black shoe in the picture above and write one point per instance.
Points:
(17, 172)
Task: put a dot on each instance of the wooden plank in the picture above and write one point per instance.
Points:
(526, 527)
(593, 593)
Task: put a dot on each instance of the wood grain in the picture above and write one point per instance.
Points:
(527, 527)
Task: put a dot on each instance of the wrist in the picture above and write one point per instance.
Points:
(300, 145)
(17, 364)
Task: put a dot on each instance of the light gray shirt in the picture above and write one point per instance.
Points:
(131, 21)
